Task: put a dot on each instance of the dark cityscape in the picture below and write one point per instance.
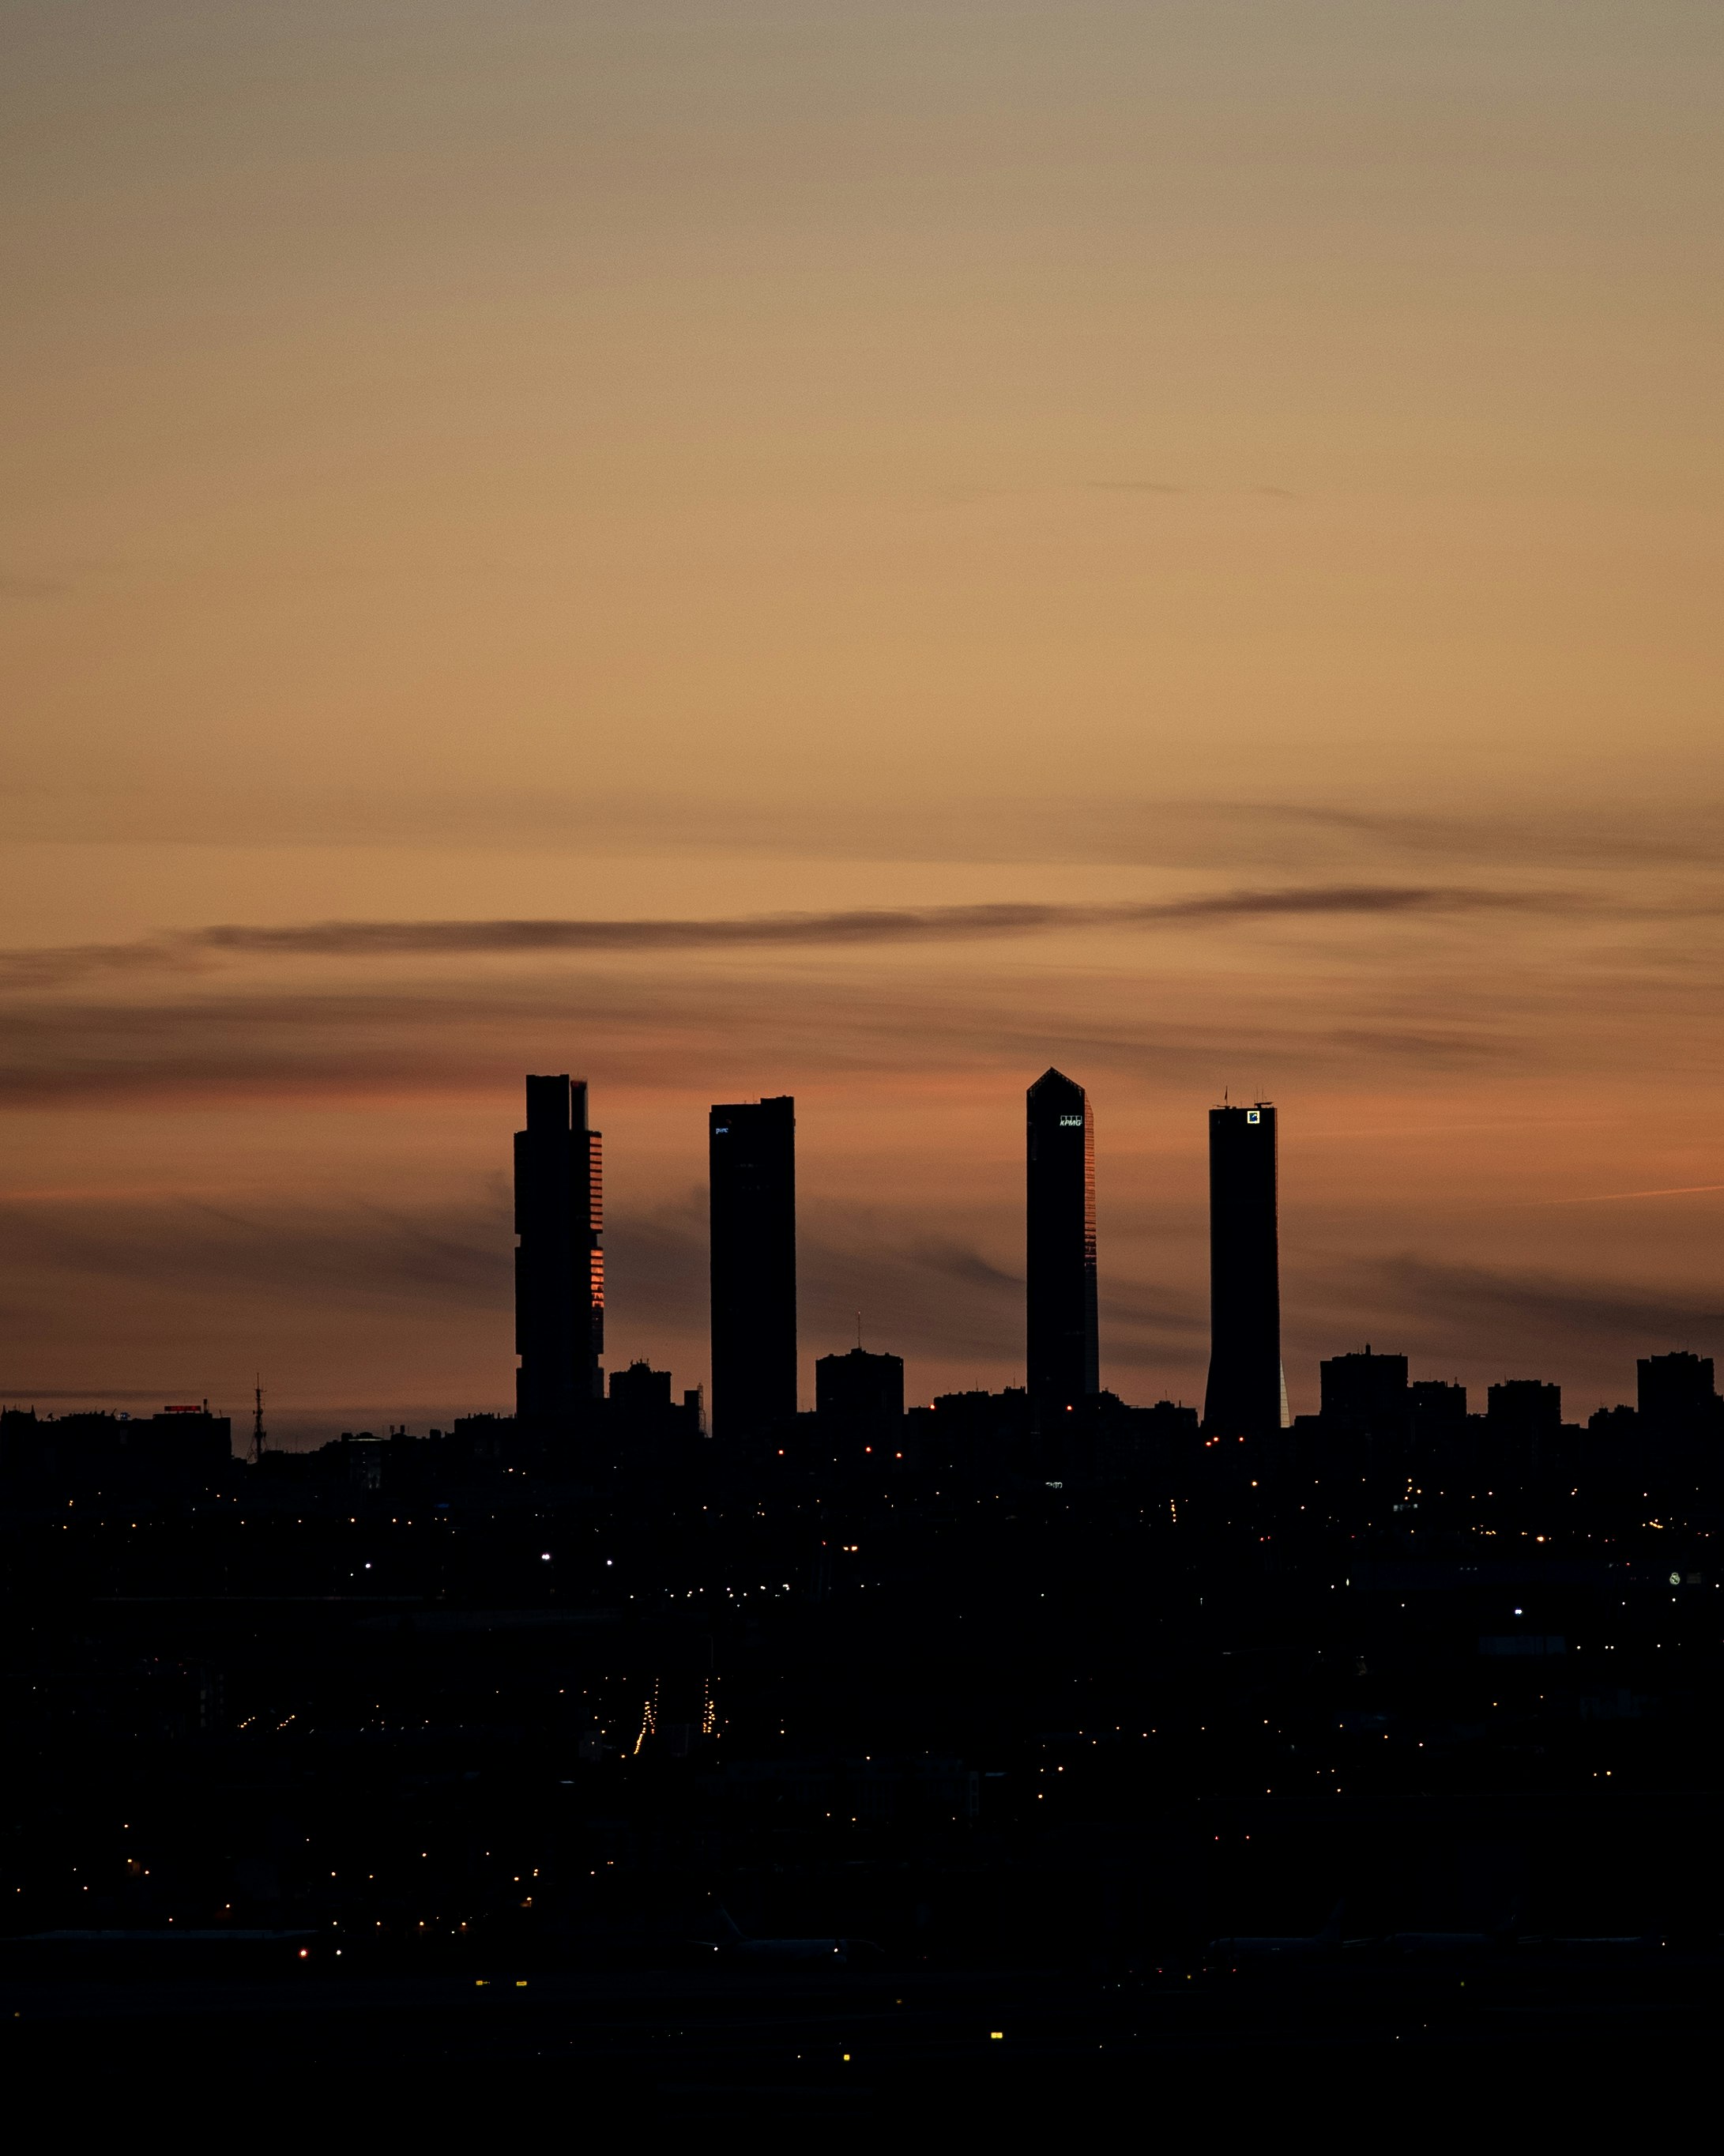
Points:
(860, 935)
(765, 1743)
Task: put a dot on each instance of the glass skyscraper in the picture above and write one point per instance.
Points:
(559, 1258)
(1060, 1270)
(1245, 1396)
(751, 1165)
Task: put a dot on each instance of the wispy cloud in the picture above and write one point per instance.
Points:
(1678, 835)
(1621, 1197)
(660, 1029)
(1286, 836)
(195, 949)
(1541, 1310)
(454, 1252)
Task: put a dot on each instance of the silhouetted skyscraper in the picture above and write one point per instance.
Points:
(559, 1261)
(1245, 1396)
(752, 1157)
(1060, 1270)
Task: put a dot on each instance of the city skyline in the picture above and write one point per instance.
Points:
(1464, 1197)
(1062, 662)
(559, 1294)
(868, 554)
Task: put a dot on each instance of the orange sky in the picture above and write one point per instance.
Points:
(1250, 461)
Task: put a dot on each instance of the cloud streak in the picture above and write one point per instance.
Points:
(1541, 1311)
(195, 950)
(656, 1029)
(454, 1253)
(1619, 1197)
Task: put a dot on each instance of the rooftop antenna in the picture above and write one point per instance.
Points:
(858, 1332)
(257, 1432)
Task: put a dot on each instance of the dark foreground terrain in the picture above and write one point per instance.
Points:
(1525, 2028)
(1199, 1798)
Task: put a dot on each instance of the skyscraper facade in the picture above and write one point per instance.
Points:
(559, 1258)
(752, 1167)
(1061, 1350)
(1245, 1396)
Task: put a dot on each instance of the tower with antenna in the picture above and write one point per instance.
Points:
(257, 1432)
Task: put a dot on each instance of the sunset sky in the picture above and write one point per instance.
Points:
(1180, 540)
